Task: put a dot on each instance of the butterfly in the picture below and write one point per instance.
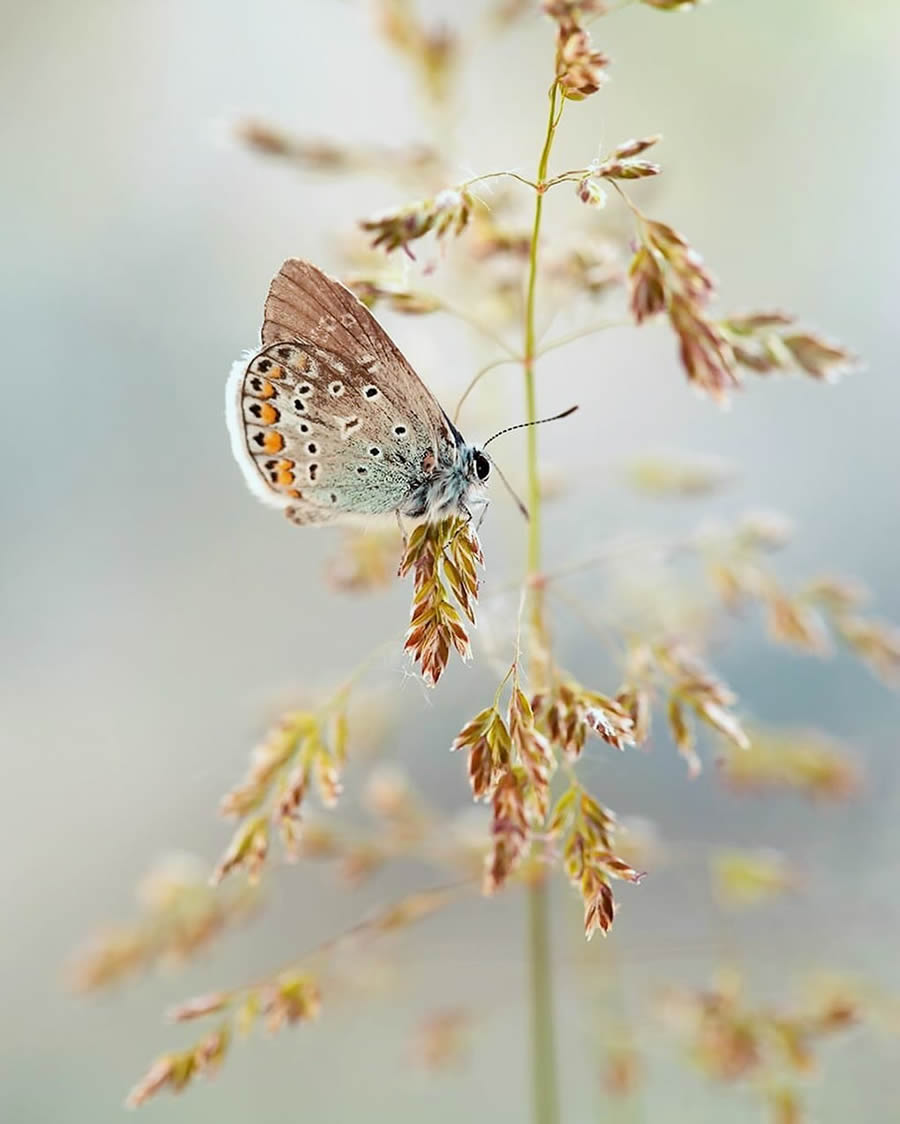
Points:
(329, 422)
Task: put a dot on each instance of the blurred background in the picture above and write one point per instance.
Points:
(139, 242)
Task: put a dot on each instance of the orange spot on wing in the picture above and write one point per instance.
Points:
(260, 387)
(268, 414)
(285, 477)
(273, 442)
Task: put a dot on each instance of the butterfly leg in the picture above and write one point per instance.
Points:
(485, 504)
(402, 530)
(405, 538)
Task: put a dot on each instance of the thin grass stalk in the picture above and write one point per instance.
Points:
(545, 1083)
(544, 1079)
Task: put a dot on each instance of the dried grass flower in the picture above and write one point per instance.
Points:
(694, 690)
(569, 713)
(288, 996)
(770, 1049)
(744, 878)
(763, 342)
(180, 917)
(568, 12)
(432, 52)
(673, 5)
(580, 68)
(679, 475)
(327, 157)
(668, 275)
(801, 761)
(510, 829)
(306, 749)
(448, 212)
(877, 643)
(366, 560)
(623, 1070)
(585, 831)
(442, 1039)
(486, 737)
(444, 559)
(373, 291)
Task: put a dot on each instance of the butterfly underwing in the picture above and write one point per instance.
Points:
(329, 422)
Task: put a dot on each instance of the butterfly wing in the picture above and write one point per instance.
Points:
(328, 419)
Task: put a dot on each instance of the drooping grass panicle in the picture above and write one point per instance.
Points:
(432, 52)
(770, 1049)
(181, 915)
(448, 212)
(330, 158)
(585, 831)
(801, 761)
(306, 749)
(290, 995)
(668, 275)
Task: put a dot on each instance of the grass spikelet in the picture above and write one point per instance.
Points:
(487, 739)
(586, 832)
(444, 558)
(510, 832)
(532, 750)
(177, 1071)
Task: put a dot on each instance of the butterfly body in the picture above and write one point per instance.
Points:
(329, 422)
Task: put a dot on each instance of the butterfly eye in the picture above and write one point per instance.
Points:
(482, 466)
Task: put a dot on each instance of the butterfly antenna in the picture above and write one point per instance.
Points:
(525, 425)
(521, 506)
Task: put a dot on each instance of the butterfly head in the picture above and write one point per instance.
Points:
(453, 482)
